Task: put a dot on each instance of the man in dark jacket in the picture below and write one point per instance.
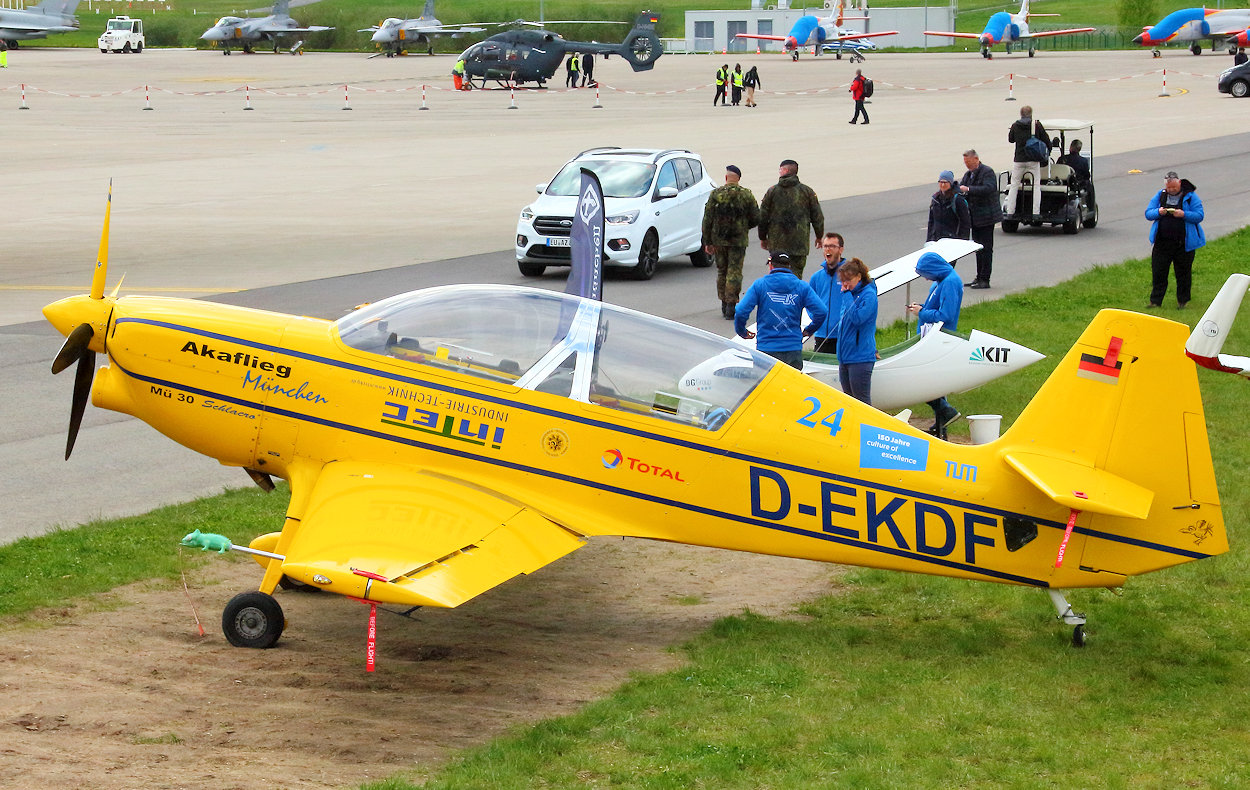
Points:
(786, 211)
(587, 64)
(980, 186)
(781, 298)
(1176, 213)
(728, 216)
(948, 211)
(1022, 163)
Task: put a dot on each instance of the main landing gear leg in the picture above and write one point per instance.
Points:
(1069, 617)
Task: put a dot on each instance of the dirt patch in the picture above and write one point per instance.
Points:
(136, 698)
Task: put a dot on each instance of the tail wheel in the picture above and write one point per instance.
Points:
(253, 619)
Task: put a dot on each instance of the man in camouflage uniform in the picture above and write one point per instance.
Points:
(786, 211)
(728, 216)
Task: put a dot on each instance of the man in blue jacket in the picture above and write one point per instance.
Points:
(1176, 233)
(824, 282)
(946, 296)
(781, 297)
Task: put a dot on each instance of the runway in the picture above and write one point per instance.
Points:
(303, 207)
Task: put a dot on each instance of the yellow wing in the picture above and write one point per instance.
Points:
(404, 535)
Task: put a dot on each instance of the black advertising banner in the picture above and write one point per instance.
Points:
(586, 240)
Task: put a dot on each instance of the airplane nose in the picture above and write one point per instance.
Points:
(215, 34)
(69, 313)
(1141, 39)
(383, 36)
(792, 42)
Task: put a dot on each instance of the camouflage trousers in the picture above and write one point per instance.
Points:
(729, 273)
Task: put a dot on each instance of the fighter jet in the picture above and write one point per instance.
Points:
(234, 31)
(50, 16)
(395, 36)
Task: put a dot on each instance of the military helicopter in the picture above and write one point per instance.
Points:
(520, 56)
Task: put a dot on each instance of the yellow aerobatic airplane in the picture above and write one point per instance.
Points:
(443, 441)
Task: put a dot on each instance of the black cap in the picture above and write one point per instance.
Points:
(779, 259)
(733, 169)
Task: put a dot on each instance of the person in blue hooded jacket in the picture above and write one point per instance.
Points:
(824, 282)
(857, 330)
(945, 297)
(781, 297)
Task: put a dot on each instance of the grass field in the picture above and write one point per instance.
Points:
(891, 681)
(181, 22)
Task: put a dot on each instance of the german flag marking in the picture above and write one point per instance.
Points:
(1106, 368)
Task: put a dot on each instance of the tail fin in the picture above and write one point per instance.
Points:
(282, 8)
(642, 48)
(1118, 432)
(1208, 337)
(428, 12)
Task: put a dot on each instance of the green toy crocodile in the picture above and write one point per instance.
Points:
(207, 541)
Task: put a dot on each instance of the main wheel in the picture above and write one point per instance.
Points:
(1031, 52)
(531, 269)
(1196, 48)
(648, 257)
(1078, 636)
(252, 619)
(1010, 225)
(1239, 89)
(700, 259)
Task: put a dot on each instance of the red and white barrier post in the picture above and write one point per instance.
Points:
(512, 91)
(423, 107)
(247, 97)
(23, 106)
(1011, 87)
(1165, 84)
(346, 104)
(597, 105)
(147, 97)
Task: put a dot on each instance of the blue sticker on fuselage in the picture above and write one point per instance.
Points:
(882, 448)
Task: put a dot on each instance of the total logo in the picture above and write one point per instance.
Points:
(615, 458)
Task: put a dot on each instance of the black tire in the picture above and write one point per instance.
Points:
(126, 48)
(1010, 225)
(1078, 636)
(1072, 225)
(1196, 48)
(531, 269)
(138, 47)
(1092, 220)
(252, 619)
(1239, 88)
(1031, 52)
(648, 257)
(104, 52)
(700, 259)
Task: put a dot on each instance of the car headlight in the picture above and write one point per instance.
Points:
(622, 219)
(527, 213)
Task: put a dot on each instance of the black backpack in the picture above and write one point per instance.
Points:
(867, 88)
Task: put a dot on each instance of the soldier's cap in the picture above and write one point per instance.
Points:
(946, 176)
(788, 163)
(733, 169)
(779, 259)
(1171, 174)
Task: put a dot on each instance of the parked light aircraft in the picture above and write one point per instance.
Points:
(50, 16)
(1229, 26)
(433, 455)
(817, 32)
(519, 56)
(1207, 340)
(917, 370)
(1008, 29)
(232, 31)
(396, 35)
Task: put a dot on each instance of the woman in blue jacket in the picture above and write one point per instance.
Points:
(857, 330)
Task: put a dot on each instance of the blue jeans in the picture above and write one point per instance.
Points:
(856, 378)
(792, 358)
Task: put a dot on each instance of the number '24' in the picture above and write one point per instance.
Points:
(832, 420)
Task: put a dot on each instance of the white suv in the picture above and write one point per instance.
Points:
(653, 209)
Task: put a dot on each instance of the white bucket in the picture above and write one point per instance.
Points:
(984, 428)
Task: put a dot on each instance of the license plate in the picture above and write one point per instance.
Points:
(557, 242)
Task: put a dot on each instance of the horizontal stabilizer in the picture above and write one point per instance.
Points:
(1081, 487)
(1207, 340)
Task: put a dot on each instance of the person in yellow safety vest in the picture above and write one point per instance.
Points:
(573, 65)
(737, 84)
(722, 78)
(457, 75)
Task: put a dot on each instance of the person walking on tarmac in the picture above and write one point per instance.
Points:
(728, 216)
(942, 305)
(457, 75)
(722, 79)
(787, 210)
(781, 298)
(857, 93)
(736, 85)
(571, 66)
(587, 64)
(751, 81)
